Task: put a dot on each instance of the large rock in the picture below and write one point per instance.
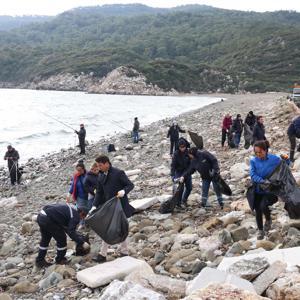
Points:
(240, 205)
(53, 279)
(128, 291)
(240, 233)
(209, 275)
(249, 269)
(25, 287)
(239, 171)
(105, 273)
(4, 296)
(232, 217)
(143, 204)
(133, 172)
(286, 287)
(223, 292)
(159, 283)
(8, 202)
(262, 282)
(290, 256)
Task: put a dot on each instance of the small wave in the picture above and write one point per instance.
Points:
(34, 135)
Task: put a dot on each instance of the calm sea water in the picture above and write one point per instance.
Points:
(26, 126)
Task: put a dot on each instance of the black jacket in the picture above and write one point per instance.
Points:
(14, 157)
(109, 185)
(81, 134)
(180, 162)
(136, 126)
(258, 132)
(250, 120)
(67, 217)
(90, 182)
(205, 163)
(237, 126)
(173, 132)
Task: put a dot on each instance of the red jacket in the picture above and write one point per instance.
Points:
(227, 122)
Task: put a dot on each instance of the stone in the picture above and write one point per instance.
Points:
(224, 292)
(210, 275)
(249, 268)
(290, 256)
(133, 172)
(128, 291)
(211, 223)
(159, 283)
(211, 243)
(185, 238)
(161, 171)
(143, 204)
(51, 280)
(285, 287)
(8, 246)
(103, 274)
(65, 283)
(262, 282)
(232, 217)
(27, 228)
(239, 171)
(240, 205)
(240, 233)
(147, 252)
(267, 245)
(65, 271)
(295, 223)
(4, 296)
(25, 287)
(159, 257)
(8, 202)
(224, 237)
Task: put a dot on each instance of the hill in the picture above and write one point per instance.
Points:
(187, 48)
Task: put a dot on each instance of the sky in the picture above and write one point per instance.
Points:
(54, 7)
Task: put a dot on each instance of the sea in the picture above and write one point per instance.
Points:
(38, 123)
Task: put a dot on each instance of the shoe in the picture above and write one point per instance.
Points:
(99, 258)
(267, 226)
(260, 235)
(222, 206)
(185, 204)
(178, 206)
(42, 264)
(62, 261)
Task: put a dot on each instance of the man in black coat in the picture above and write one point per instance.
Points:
(12, 157)
(237, 129)
(135, 130)
(207, 166)
(81, 136)
(250, 120)
(112, 182)
(293, 133)
(259, 130)
(56, 221)
(180, 164)
(173, 134)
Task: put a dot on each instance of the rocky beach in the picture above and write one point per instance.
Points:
(191, 254)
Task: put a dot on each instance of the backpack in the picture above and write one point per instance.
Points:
(296, 124)
(111, 148)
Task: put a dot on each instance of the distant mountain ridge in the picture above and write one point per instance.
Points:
(188, 48)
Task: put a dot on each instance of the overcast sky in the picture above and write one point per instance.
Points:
(53, 7)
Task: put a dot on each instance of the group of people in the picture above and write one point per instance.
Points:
(253, 128)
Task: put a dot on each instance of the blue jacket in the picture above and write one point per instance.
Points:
(80, 190)
(260, 169)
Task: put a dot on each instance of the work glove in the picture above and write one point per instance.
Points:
(181, 179)
(86, 246)
(121, 194)
(91, 211)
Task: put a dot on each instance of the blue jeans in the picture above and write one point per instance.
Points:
(205, 189)
(237, 139)
(187, 187)
(135, 136)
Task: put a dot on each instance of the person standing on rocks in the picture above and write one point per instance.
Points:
(259, 130)
(237, 129)
(173, 134)
(90, 183)
(77, 193)
(249, 123)
(135, 130)
(250, 119)
(207, 166)
(293, 133)
(112, 182)
(226, 125)
(81, 136)
(180, 164)
(55, 221)
(12, 157)
(261, 166)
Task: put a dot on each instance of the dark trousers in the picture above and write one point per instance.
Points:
(14, 173)
(49, 230)
(173, 146)
(82, 146)
(292, 139)
(261, 207)
(224, 135)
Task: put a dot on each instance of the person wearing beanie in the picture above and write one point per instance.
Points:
(173, 134)
(180, 164)
(237, 129)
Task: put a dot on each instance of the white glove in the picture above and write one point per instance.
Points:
(92, 209)
(86, 246)
(181, 179)
(121, 194)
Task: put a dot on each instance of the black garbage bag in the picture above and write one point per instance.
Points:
(169, 205)
(109, 222)
(196, 139)
(223, 186)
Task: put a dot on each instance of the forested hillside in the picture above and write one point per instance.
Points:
(187, 48)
